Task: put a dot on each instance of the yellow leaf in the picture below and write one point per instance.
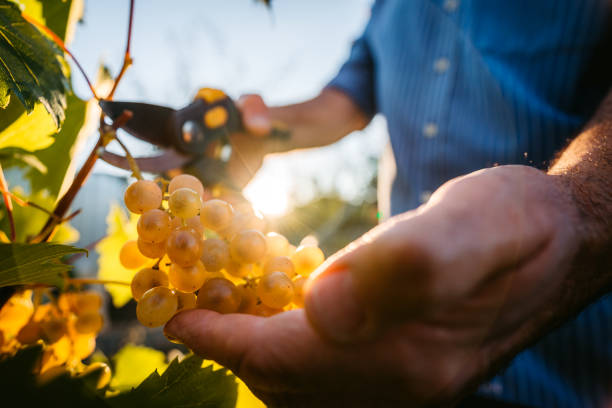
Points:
(30, 132)
(119, 231)
(132, 364)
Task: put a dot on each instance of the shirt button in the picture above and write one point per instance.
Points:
(441, 65)
(451, 5)
(430, 130)
(425, 196)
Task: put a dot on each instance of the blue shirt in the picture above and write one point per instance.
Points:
(467, 84)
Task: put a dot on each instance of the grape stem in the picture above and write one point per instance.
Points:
(61, 44)
(127, 58)
(8, 203)
(133, 165)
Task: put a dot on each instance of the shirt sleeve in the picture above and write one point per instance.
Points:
(356, 77)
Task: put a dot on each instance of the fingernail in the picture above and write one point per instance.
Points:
(333, 308)
(170, 333)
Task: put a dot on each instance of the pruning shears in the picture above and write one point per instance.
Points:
(194, 139)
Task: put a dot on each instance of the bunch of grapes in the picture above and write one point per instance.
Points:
(209, 254)
(66, 326)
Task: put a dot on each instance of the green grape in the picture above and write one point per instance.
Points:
(298, 290)
(186, 181)
(279, 264)
(186, 300)
(146, 279)
(215, 254)
(277, 244)
(306, 259)
(154, 226)
(248, 299)
(240, 222)
(156, 306)
(193, 223)
(130, 257)
(185, 203)
(154, 250)
(187, 279)
(142, 196)
(248, 246)
(88, 323)
(184, 247)
(216, 214)
(239, 270)
(220, 295)
(275, 290)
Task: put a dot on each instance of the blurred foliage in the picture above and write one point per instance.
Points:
(132, 364)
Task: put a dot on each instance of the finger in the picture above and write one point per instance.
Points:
(255, 115)
(223, 338)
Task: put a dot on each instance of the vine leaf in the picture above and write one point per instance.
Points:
(22, 264)
(133, 364)
(30, 65)
(183, 384)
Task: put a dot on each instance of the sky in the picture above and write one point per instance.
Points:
(286, 54)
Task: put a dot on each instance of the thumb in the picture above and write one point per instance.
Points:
(223, 338)
(255, 115)
(374, 283)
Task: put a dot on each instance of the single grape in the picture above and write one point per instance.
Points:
(193, 223)
(187, 279)
(130, 257)
(185, 203)
(275, 290)
(248, 296)
(279, 264)
(241, 222)
(156, 306)
(306, 259)
(186, 181)
(184, 247)
(53, 327)
(277, 244)
(146, 279)
(153, 250)
(154, 226)
(215, 254)
(186, 300)
(83, 345)
(220, 295)
(248, 246)
(298, 290)
(216, 214)
(85, 302)
(239, 270)
(16, 312)
(30, 333)
(142, 196)
(89, 323)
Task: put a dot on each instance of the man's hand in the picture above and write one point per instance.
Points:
(420, 309)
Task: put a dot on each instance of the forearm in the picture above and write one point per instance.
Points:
(585, 167)
(318, 122)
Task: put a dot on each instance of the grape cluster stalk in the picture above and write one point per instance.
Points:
(196, 250)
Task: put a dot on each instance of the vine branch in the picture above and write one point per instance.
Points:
(127, 57)
(8, 203)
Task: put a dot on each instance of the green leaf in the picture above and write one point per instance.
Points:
(30, 65)
(34, 263)
(183, 384)
(120, 229)
(30, 132)
(133, 364)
